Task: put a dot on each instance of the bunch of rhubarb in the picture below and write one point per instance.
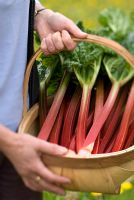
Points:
(92, 101)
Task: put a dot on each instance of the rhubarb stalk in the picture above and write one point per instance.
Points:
(98, 108)
(114, 121)
(119, 72)
(121, 136)
(70, 118)
(56, 130)
(53, 112)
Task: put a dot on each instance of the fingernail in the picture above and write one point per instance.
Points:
(63, 150)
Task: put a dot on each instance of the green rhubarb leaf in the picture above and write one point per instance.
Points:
(46, 66)
(87, 64)
(118, 70)
(117, 21)
(88, 74)
(128, 42)
(85, 61)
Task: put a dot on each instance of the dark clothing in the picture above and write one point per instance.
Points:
(11, 185)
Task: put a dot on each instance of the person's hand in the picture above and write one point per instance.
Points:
(25, 154)
(55, 31)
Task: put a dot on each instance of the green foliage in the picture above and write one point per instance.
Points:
(116, 20)
(84, 61)
(126, 195)
(118, 70)
(128, 41)
(87, 63)
(46, 66)
(50, 196)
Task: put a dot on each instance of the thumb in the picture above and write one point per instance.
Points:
(49, 148)
(75, 31)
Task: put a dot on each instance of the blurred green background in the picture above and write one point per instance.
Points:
(86, 10)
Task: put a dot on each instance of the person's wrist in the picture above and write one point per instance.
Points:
(41, 16)
(43, 11)
(39, 11)
(8, 139)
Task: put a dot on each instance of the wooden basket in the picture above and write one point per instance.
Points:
(101, 172)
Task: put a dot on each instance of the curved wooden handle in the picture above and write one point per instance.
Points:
(90, 38)
(26, 81)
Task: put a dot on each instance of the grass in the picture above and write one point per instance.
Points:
(127, 193)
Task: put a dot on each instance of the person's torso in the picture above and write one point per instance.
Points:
(13, 57)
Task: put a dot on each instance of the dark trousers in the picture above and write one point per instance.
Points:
(11, 185)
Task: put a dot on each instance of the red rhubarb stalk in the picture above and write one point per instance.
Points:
(99, 122)
(90, 120)
(83, 115)
(111, 144)
(70, 118)
(114, 121)
(53, 112)
(98, 108)
(130, 139)
(55, 133)
(108, 121)
(72, 145)
(86, 68)
(121, 137)
(119, 73)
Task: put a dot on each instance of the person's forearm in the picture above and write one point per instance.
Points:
(7, 138)
(42, 10)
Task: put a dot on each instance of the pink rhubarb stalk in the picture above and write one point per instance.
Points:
(90, 120)
(114, 122)
(121, 137)
(82, 119)
(72, 145)
(53, 112)
(98, 108)
(130, 139)
(99, 122)
(55, 133)
(70, 118)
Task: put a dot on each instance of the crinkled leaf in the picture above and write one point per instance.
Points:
(83, 53)
(128, 42)
(84, 61)
(46, 66)
(104, 32)
(87, 74)
(68, 59)
(118, 70)
(117, 21)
